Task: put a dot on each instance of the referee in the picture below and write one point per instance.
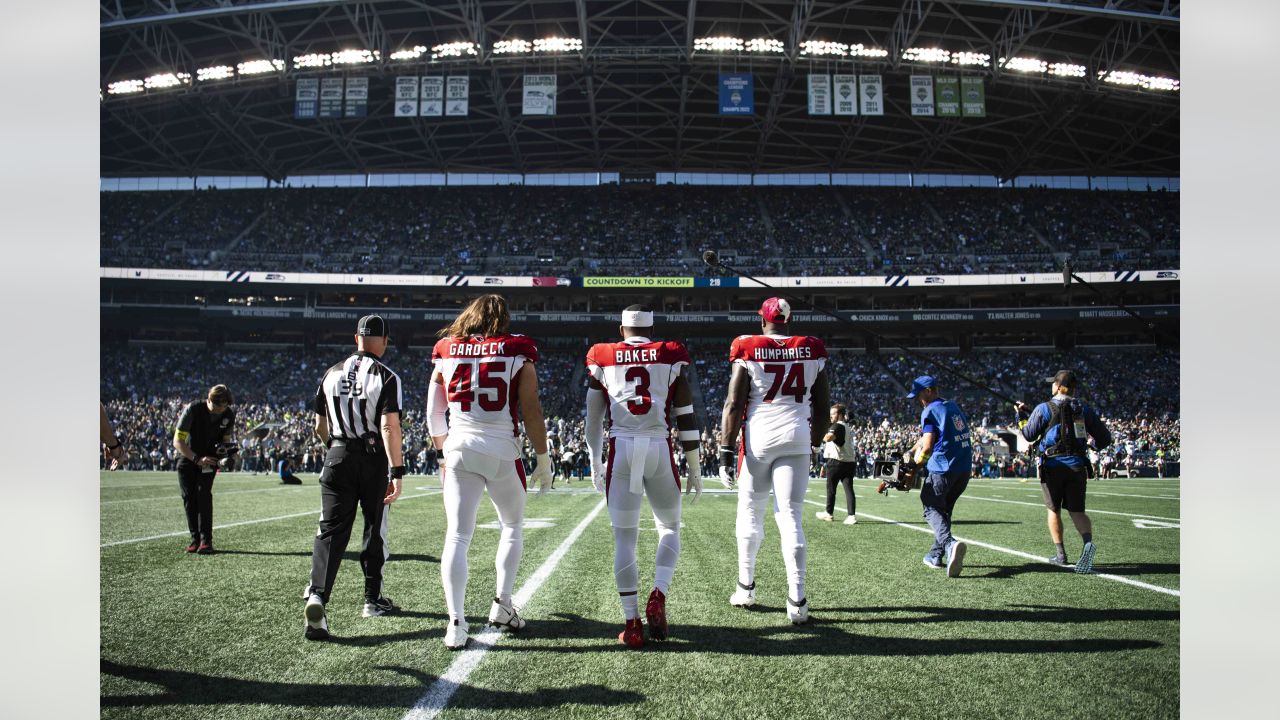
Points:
(357, 410)
(842, 464)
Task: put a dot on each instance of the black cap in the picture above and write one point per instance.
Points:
(372, 326)
(1065, 378)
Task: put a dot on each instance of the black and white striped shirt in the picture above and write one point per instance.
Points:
(355, 394)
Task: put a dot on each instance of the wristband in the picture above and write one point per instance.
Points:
(686, 435)
(397, 472)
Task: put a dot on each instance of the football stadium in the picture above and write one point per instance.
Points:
(389, 290)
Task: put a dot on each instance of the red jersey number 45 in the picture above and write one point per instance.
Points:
(492, 386)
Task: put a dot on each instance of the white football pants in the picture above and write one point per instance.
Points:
(788, 476)
(464, 476)
(646, 465)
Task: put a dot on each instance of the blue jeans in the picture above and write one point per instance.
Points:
(938, 495)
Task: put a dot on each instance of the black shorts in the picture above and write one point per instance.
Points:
(1063, 487)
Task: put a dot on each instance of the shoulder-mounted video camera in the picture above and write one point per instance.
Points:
(897, 474)
(226, 449)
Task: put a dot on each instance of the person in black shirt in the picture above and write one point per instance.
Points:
(357, 415)
(201, 427)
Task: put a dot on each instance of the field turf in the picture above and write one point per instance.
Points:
(220, 636)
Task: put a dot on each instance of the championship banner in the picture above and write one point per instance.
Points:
(431, 99)
(922, 95)
(973, 97)
(819, 94)
(357, 97)
(331, 97)
(407, 96)
(457, 100)
(737, 94)
(539, 95)
(948, 96)
(307, 99)
(846, 95)
(871, 94)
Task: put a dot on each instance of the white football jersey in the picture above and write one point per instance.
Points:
(480, 382)
(637, 375)
(782, 370)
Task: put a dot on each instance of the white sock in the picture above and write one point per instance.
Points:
(453, 573)
(630, 606)
(665, 561)
(625, 573)
(507, 562)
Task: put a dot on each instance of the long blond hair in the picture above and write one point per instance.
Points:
(486, 316)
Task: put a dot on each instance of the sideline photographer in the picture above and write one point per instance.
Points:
(203, 440)
(1063, 426)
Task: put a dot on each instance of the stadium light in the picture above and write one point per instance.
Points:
(929, 55)
(860, 50)
(167, 80)
(355, 57)
(124, 87)
(1024, 64)
(1066, 70)
(765, 45)
(970, 58)
(557, 45)
(412, 53)
(508, 47)
(312, 60)
(722, 43)
(258, 67)
(1146, 82)
(453, 49)
(216, 72)
(816, 48)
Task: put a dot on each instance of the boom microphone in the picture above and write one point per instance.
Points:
(711, 258)
(1066, 274)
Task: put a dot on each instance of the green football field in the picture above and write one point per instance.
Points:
(220, 636)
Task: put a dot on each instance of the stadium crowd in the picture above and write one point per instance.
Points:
(145, 387)
(652, 231)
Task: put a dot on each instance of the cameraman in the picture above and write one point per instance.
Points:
(1063, 427)
(203, 426)
(944, 440)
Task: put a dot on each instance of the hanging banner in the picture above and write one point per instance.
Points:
(819, 94)
(922, 95)
(948, 96)
(973, 97)
(431, 100)
(539, 95)
(406, 96)
(357, 97)
(307, 99)
(457, 100)
(871, 94)
(737, 94)
(331, 97)
(846, 94)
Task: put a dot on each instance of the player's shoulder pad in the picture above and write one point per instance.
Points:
(818, 347)
(597, 354)
(742, 343)
(674, 351)
(441, 348)
(522, 345)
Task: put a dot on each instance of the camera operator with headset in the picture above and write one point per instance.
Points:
(203, 440)
(1063, 426)
(944, 440)
(357, 409)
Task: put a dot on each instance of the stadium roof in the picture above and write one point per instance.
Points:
(640, 95)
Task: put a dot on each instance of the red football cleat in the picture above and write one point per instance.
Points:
(633, 635)
(193, 547)
(656, 612)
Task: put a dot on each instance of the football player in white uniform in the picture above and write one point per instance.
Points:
(635, 386)
(483, 375)
(779, 385)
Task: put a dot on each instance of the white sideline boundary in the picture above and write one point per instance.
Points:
(1091, 511)
(1019, 553)
(242, 522)
(434, 700)
(179, 497)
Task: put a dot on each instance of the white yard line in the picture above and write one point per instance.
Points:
(434, 700)
(1091, 511)
(242, 522)
(179, 497)
(1021, 554)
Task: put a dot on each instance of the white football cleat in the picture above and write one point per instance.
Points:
(798, 613)
(455, 635)
(744, 596)
(823, 515)
(317, 626)
(505, 616)
(851, 520)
